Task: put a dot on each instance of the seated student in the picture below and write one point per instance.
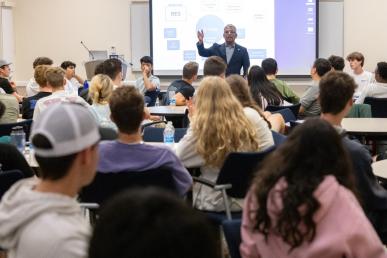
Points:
(176, 231)
(33, 87)
(41, 217)
(337, 63)
(270, 67)
(336, 99)
(6, 85)
(303, 201)
(214, 132)
(215, 66)
(28, 104)
(309, 101)
(148, 84)
(378, 89)
(263, 91)
(240, 89)
(183, 88)
(10, 157)
(55, 80)
(100, 90)
(362, 78)
(11, 112)
(73, 81)
(129, 152)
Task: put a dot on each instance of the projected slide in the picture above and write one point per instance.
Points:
(283, 29)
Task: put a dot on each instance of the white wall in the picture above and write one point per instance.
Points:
(56, 27)
(365, 30)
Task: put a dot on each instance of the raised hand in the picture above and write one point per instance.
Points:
(200, 36)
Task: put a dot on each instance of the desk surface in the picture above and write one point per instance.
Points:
(168, 110)
(365, 126)
(380, 168)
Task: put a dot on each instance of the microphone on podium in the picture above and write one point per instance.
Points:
(88, 50)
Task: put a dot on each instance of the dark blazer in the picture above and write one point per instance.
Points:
(239, 59)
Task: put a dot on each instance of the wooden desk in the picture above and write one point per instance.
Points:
(167, 110)
(380, 168)
(366, 126)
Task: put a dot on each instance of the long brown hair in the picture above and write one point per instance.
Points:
(219, 122)
(240, 89)
(311, 152)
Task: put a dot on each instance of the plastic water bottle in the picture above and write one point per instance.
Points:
(169, 133)
(172, 99)
(18, 138)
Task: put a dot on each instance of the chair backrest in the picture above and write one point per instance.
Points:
(232, 232)
(378, 106)
(238, 170)
(8, 178)
(287, 114)
(278, 138)
(294, 108)
(107, 133)
(105, 185)
(155, 134)
(6, 129)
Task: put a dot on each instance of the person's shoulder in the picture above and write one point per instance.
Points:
(355, 148)
(240, 47)
(7, 97)
(56, 231)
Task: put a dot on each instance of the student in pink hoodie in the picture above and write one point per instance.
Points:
(303, 202)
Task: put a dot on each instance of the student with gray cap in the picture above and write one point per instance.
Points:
(41, 217)
(7, 86)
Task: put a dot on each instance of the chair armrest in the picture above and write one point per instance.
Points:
(89, 205)
(152, 123)
(211, 184)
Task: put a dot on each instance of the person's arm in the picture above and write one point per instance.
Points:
(148, 84)
(309, 97)
(180, 99)
(184, 94)
(186, 151)
(204, 52)
(182, 178)
(246, 63)
(79, 79)
(289, 94)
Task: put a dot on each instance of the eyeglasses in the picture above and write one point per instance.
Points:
(229, 32)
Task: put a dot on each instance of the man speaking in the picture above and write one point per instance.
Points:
(233, 54)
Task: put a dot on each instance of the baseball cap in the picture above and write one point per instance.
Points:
(70, 128)
(4, 62)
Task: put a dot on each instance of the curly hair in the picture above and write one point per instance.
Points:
(219, 123)
(311, 152)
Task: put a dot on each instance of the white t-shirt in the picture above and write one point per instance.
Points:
(265, 138)
(377, 90)
(363, 81)
(57, 98)
(72, 86)
(32, 87)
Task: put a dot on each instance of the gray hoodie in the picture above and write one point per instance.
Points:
(40, 225)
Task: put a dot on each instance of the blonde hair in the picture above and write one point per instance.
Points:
(55, 77)
(219, 123)
(39, 75)
(101, 88)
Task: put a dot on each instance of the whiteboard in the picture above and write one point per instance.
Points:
(139, 33)
(331, 30)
